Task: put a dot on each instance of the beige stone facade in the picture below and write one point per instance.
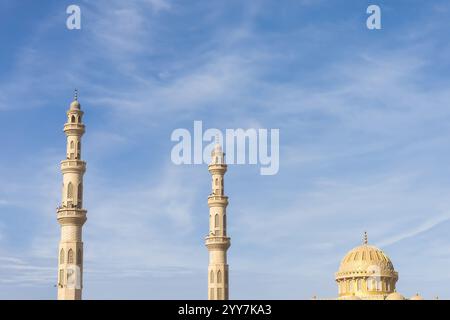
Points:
(217, 241)
(71, 215)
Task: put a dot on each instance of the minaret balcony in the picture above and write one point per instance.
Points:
(73, 165)
(215, 200)
(217, 242)
(74, 128)
(71, 215)
(217, 168)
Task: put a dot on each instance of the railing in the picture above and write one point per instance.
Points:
(215, 239)
(216, 197)
(72, 163)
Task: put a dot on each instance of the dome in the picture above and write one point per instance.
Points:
(417, 297)
(366, 272)
(75, 105)
(365, 260)
(395, 296)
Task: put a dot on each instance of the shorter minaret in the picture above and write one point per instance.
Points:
(71, 215)
(217, 241)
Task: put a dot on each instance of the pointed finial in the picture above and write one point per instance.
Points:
(76, 95)
(365, 237)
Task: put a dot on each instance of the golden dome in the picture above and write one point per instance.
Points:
(366, 272)
(417, 297)
(395, 296)
(366, 260)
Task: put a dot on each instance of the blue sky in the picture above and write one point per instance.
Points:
(364, 126)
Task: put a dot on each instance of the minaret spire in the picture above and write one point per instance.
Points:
(71, 215)
(217, 241)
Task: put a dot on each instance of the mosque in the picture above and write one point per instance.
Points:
(365, 273)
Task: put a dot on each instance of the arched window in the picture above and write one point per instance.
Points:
(70, 256)
(219, 277)
(79, 119)
(71, 145)
(224, 222)
(358, 285)
(80, 193)
(79, 257)
(61, 277)
(72, 119)
(211, 277)
(79, 146)
(70, 190)
(379, 285)
(216, 221)
(61, 256)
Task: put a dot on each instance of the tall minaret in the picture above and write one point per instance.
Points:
(71, 215)
(217, 240)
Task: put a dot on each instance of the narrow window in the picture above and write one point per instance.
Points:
(211, 293)
(219, 293)
(219, 277)
(70, 256)
(73, 119)
(79, 257)
(70, 190)
(216, 221)
(71, 145)
(211, 277)
(61, 256)
(80, 194)
(217, 181)
(358, 285)
(61, 277)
